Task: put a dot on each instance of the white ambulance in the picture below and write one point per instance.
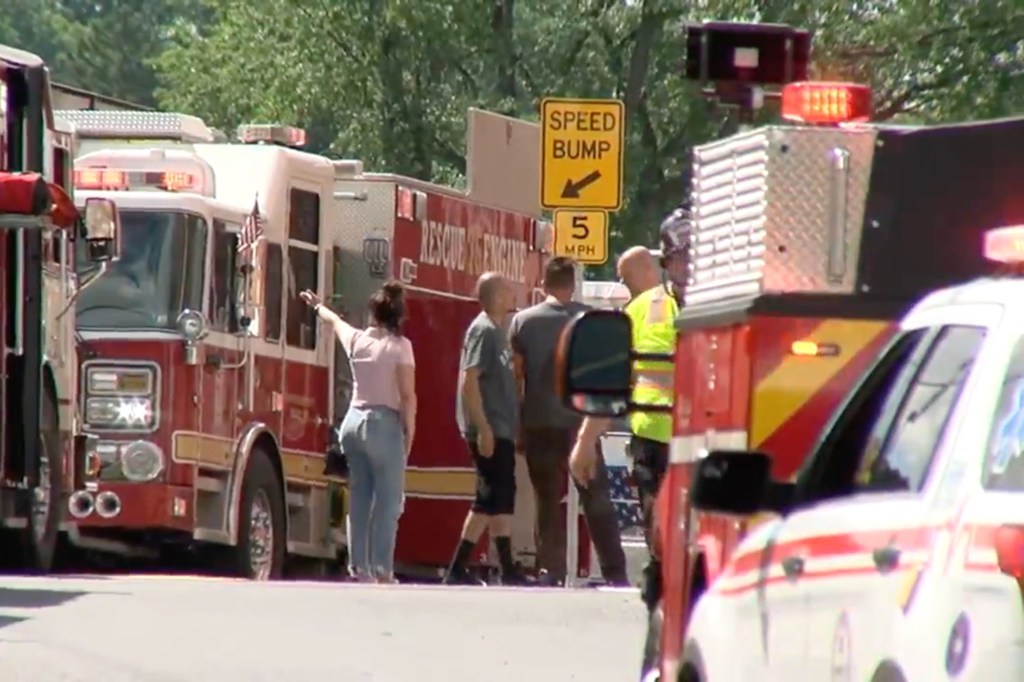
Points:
(898, 552)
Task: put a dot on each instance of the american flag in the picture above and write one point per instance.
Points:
(626, 501)
(252, 228)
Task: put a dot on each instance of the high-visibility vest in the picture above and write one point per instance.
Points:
(653, 314)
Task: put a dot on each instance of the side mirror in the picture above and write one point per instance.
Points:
(738, 483)
(595, 367)
(102, 230)
(192, 325)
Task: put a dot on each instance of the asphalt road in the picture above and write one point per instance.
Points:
(184, 629)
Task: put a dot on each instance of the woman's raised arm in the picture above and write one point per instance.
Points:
(342, 329)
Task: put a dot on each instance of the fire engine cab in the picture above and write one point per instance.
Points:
(211, 384)
(44, 455)
(810, 241)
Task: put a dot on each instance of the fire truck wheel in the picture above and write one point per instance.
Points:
(649, 671)
(260, 552)
(39, 539)
(888, 672)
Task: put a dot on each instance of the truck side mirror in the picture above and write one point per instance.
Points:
(102, 230)
(738, 483)
(595, 368)
(193, 327)
(240, 284)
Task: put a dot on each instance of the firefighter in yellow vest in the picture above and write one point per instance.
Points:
(652, 310)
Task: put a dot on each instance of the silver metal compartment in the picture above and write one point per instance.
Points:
(779, 210)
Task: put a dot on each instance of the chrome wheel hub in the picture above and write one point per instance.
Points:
(40, 508)
(261, 536)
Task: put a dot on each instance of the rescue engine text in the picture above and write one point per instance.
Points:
(475, 254)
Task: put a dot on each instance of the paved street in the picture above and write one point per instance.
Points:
(164, 629)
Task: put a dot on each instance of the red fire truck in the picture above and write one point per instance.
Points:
(43, 454)
(810, 241)
(210, 384)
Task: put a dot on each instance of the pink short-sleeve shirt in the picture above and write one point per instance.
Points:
(376, 355)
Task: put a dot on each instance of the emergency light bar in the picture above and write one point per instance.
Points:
(262, 133)
(1005, 244)
(144, 125)
(825, 102)
(106, 179)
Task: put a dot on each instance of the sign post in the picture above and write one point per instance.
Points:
(581, 153)
(582, 235)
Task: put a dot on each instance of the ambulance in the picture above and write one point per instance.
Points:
(898, 554)
(811, 240)
(212, 386)
(44, 455)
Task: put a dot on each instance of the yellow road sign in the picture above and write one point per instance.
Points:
(582, 235)
(581, 153)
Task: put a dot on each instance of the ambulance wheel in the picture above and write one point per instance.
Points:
(260, 552)
(38, 541)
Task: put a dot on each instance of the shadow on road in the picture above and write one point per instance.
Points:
(29, 598)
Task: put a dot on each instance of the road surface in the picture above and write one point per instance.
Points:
(185, 629)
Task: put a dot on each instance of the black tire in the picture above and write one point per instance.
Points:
(262, 501)
(38, 541)
(649, 668)
(888, 672)
(689, 673)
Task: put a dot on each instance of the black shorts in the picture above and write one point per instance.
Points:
(495, 478)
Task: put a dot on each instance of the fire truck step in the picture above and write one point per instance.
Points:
(210, 484)
(297, 500)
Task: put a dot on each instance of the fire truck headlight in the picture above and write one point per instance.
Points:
(141, 461)
(119, 413)
(192, 325)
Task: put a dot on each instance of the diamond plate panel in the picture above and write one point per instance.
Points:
(181, 127)
(780, 209)
(364, 208)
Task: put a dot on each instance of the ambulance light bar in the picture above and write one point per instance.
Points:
(1005, 245)
(106, 179)
(138, 125)
(817, 102)
(261, 133)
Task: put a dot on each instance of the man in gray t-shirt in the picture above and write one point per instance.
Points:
(487, 413)
(549, 431)
(485, 352)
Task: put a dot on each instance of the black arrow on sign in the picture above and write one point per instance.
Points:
(572, 189)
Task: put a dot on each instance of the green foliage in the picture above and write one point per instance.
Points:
(389, 81)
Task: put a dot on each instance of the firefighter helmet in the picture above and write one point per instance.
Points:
(675, 232)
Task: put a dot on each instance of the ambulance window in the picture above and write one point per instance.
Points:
(304, 264)
(1004, 465)
(222, 303)
(900, 451)
(304, 216)
(272, 291)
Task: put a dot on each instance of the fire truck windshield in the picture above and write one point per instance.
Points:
(159, 274)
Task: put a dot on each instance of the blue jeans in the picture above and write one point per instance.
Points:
(373, 440)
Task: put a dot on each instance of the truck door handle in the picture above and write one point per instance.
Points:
(886, 558)
(793, 566)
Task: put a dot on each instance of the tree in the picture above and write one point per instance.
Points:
(389, 81)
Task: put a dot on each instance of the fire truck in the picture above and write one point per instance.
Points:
(210, 384)
(810, 241)
(44, 456)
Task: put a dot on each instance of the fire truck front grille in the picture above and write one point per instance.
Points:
(729, 202)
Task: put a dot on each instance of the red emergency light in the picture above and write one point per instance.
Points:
(820, 102)
(1005, 244)
(263, 133)
(97, 178)
(106, 179)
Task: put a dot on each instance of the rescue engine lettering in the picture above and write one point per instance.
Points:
(449, 247)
